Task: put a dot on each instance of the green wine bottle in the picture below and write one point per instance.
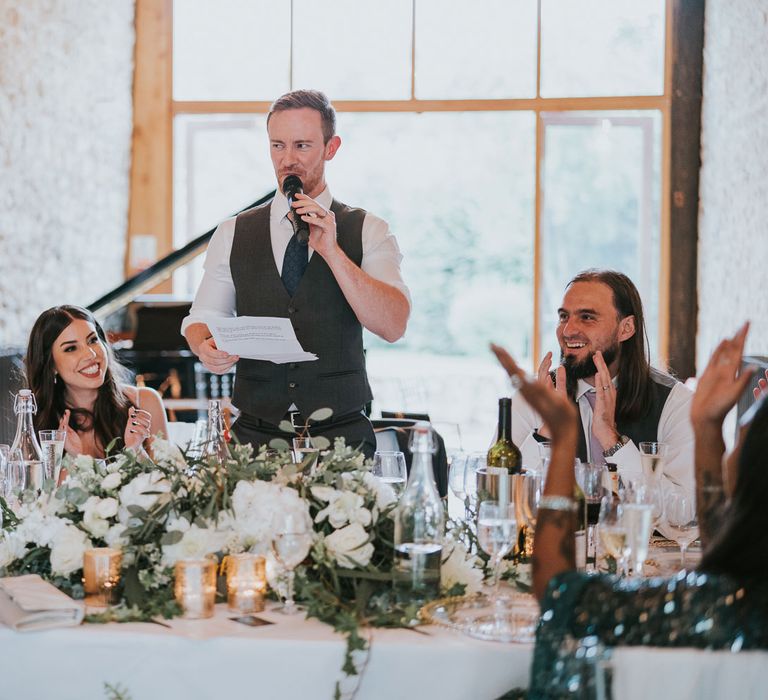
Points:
(504, 452)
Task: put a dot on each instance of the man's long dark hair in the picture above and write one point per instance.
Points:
(110, 412)
(634, 392)
(740, 548)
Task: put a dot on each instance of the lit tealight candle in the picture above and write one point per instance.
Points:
(101, 574)
(195, 587)
(246, 582)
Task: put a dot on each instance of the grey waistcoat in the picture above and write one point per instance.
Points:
(324, 322)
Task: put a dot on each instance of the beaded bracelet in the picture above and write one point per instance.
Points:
(557, 503)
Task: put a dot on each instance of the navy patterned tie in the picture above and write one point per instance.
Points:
(294, 264)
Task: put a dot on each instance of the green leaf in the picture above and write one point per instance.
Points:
(320, 414)
(286, 426)
(77, 496)
(136, 510)
(321, 443)
(279, 444)
(172, 537)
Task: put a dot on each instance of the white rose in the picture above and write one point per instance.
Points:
(114, 536)
(256, 507)
(96, 511)
(111, 481)
(67, 550)
(196, 543)
(349, 546)
(459, 567)
(140, 492)
(39, 528)
(385, 494)
(11, 548)
(344, 507)
(323, 493)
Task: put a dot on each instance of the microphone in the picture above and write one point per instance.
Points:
(292, 186)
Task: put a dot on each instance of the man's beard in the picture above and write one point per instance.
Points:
(585, 369)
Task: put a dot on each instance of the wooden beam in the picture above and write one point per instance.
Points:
(685, 162)
(151, 194)
(554, 104)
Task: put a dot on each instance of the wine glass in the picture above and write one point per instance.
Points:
(457, 469)
(291, 541)
(612, 531)
(475, 461)
(682, 519)
(590, 478)
(647, 489)
(389, 468)
(496, 534)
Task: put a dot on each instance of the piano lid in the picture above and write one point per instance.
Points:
(123, 294)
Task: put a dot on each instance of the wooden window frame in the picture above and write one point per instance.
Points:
(151, 197)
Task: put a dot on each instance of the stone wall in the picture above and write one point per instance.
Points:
(66, 71)
(733, 217)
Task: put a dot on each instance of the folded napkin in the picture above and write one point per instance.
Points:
(28, 603)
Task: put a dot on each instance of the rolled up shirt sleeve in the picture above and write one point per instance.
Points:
(216, 294)
(381, 254)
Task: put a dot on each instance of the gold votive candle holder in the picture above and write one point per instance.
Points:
(246, 582)
(195, 587)
(101, 575)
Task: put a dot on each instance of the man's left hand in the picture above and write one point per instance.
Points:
(604, 415)
(322, 224)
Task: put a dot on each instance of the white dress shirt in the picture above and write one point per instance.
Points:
(675, 430)
(215, 296)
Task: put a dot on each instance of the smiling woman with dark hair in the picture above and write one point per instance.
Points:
(81, 388)
(723, 605)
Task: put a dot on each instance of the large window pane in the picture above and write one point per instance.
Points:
(457, 190)
(600, 188)
(482, 49)
(594, 47)
(221, 164)
(353, 50)
(231, 49)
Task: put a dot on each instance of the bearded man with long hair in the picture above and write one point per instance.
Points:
(604, 367)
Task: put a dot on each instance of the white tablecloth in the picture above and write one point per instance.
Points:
(218, 658)
(689, 674)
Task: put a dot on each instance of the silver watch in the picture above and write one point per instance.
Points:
(613, 449)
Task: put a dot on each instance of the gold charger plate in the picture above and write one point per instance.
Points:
(474, 615)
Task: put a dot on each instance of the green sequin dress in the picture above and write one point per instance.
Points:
(583, 615)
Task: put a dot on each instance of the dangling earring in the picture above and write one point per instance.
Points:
(55, 377)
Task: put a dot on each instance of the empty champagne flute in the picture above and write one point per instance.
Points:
(681, 519)
(291, 542)
(52, 448)
(389, 468)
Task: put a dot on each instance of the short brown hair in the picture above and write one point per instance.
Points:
(311, 99)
